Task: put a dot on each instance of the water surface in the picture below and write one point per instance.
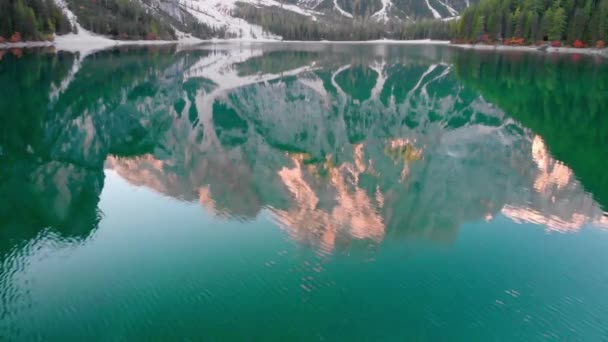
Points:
(303, 192)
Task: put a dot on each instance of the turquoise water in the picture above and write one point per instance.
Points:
(315, 192)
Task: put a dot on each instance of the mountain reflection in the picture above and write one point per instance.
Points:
(384, 145)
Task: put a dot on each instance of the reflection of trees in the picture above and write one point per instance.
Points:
(53, 148)
(561, 100)
(357, 82)
(53, 194)
(43, 191)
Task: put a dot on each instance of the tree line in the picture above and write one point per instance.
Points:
(521, 21)
(577, 22)
(31, 20)
(535, 20)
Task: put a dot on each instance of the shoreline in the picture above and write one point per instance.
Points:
(76, 42)
(87, 43)
(554, 50)
(72, 45)
(375, 41)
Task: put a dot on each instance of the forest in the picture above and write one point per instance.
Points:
(294, 26)
(31, 20)
(188, 23)
(576, 22)
(579, 23)
(121, 19)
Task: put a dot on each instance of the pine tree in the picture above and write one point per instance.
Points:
(557, 23)
(478, 27)
(602, 30)
(535, 29)
(519, 21)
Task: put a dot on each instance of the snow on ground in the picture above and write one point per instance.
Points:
(186, 38)
(292, 8)
(436, 14)
(376, 41)
(69, 14)
(312, 4)
(567, 50)
(84, 41)
(218, 14)
(382, 14)
(390, 41)
(343, 12)
(451, 18)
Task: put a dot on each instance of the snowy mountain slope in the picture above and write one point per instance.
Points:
(219, 15)
(254, 19)
(224, 13)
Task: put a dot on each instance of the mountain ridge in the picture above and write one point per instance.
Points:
(206, 19)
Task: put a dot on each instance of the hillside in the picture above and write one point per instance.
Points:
(33, 19)
(320, 19)
(522, 21)
(244, 19)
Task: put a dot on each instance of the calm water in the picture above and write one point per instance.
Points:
(328, 192)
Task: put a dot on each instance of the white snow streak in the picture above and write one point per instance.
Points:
(220, 68)
(312, 4)
(428, 71)
(316, 84)
(442, 75)
(65, 83)
(382, 14)
(343, 12)
(84, 42)
(217, 14)
(335, 84)
(449, 8)
(379, 69)
(436, 14)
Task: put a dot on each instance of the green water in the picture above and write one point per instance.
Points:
(312, 192)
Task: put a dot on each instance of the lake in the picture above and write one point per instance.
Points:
(303, 192)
